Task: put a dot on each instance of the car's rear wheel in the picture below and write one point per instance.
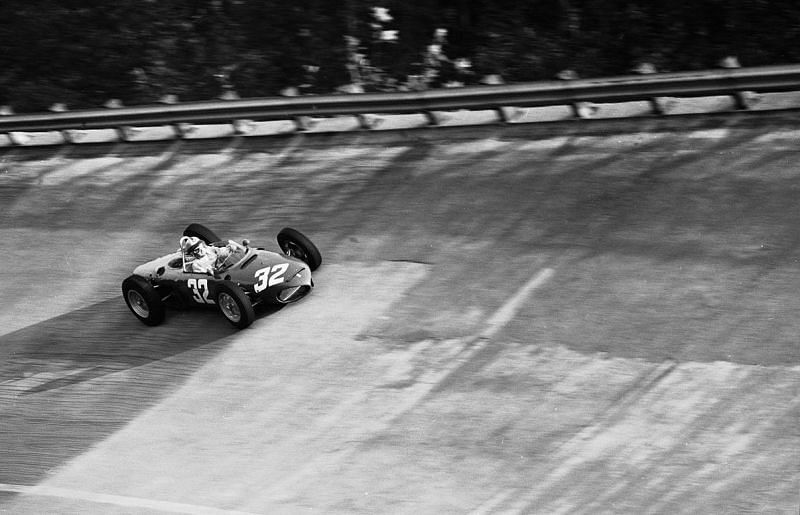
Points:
(202, 232)
(235, 305)
(293, 243)
(143, 300)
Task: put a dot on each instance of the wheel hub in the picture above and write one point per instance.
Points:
(138, 304)
(229, 307)
(293, 250)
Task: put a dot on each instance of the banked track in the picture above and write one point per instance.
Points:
(554, 318)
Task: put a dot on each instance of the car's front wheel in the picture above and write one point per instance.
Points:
(295, 244)
(143, 300)
(235, 305)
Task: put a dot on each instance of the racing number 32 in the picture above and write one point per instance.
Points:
(199, 288)
(267, 279)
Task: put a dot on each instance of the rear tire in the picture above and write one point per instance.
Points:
(293, 243)
(143, 300)
(235, 305)
(202, 232)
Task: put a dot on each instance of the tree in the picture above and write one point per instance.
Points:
(83, 53)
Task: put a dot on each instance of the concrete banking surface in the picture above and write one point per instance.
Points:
(594, 317)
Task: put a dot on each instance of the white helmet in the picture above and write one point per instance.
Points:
(189, 244)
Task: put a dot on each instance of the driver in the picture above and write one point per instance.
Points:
(201, 258)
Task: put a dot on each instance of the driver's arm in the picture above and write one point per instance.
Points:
(203, 265)
(222, 254)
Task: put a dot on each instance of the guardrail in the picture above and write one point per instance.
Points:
(573, 92)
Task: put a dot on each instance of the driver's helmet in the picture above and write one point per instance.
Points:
(192, 246)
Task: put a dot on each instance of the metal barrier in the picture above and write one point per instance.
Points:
(608, 90)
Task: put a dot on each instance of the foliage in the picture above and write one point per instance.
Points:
(84, 53)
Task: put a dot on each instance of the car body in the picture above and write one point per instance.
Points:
(249, 276)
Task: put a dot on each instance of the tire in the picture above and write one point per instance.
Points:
(143, 300)
(202, 232)
(235, 305)
(293, 243)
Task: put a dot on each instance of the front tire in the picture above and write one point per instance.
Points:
(201, 231)
(143, 300)
(293, 243)
(235, 305)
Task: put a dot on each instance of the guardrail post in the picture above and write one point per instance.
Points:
(73, 136)
(502, 114)
(183, 129)
(125, 132)
(580, 109)
(368, 121)
(432, 118)
(242, 127)
(168, 99)
(584, 110)
(304, 123)
(658, 105)
(507, 114)
(743, 100)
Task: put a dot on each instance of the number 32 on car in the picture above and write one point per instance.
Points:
(199, 289)
(269, 276)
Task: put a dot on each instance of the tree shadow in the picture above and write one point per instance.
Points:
(73, 380)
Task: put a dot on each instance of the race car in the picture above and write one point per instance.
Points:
(247, 277)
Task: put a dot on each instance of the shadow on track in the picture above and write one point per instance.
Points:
(71, 381)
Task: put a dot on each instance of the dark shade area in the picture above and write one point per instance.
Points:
(83, 54)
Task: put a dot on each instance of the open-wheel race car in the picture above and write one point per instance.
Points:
(234, 277)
